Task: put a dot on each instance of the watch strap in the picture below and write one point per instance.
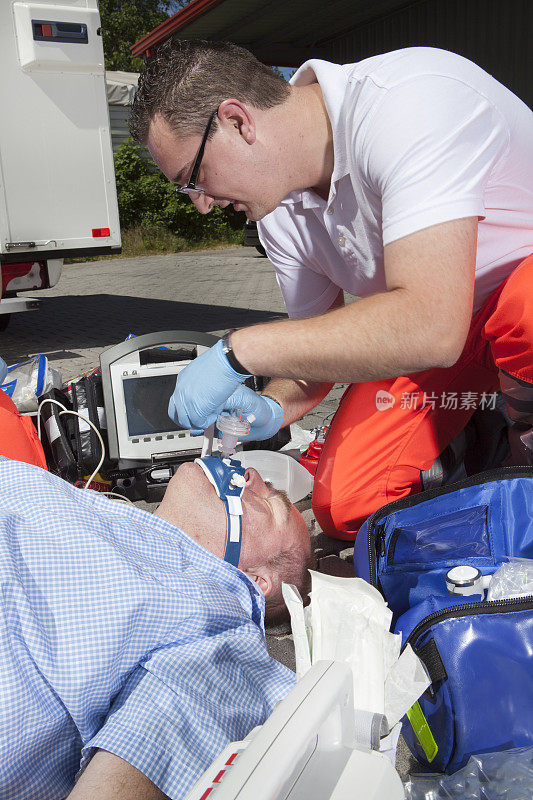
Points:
(233, 361)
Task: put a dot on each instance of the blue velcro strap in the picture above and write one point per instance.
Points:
(41, 372)
(227, 476)
(233, 538)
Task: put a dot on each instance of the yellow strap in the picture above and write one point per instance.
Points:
(422, 731)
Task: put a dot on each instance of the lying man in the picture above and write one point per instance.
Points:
(128, 646)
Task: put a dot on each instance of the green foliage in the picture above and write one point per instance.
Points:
(124, 23)
(146, 199)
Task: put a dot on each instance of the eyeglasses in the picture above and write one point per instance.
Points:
(191, 184)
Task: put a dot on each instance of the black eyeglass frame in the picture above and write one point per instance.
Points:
(190, 186)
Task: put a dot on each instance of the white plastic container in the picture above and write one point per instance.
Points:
(282, 471)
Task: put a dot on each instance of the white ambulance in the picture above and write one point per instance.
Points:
(57, 183)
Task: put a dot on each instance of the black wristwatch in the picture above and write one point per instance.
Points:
(230, 355)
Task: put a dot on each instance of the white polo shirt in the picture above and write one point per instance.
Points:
(421, 136)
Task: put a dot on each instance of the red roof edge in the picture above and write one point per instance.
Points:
(195, 9)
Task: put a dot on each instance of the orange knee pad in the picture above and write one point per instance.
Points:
(18, 437)
(509, 328)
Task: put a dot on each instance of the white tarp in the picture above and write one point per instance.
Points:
(121, 87)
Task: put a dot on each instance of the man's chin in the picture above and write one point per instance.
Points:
(187, 488)
(187, 475)
(255, 214)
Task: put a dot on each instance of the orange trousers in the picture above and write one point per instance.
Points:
(385, 433)
(18, 437)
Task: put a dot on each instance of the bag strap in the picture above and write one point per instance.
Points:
(429, 655)
(370, 728)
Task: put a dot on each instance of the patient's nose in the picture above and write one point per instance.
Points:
(255, 482)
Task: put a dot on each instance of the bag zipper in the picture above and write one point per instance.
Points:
(479, 607)
(489, 476)
(392, 545)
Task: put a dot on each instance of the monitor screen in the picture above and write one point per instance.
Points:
(146, 400)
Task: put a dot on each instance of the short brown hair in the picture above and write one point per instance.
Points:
(186, 81)
(292, 566)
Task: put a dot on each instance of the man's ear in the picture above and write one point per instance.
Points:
(262, 577)
(237, 114)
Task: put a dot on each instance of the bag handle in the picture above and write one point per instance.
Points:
(429, 655)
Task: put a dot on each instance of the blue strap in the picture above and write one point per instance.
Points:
(232, 552)
(41, 372)
(221, 473)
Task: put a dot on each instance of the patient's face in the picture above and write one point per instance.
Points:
(270, 521)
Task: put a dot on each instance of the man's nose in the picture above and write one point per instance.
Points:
(203, 202)
(256, 483)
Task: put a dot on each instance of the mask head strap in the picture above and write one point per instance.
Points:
(227, 476)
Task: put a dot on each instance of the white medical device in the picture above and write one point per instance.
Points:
(138, 379)
(314, 746)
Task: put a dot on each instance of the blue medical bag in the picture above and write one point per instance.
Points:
(478, 653)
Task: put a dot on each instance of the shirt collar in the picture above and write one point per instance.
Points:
(333, 82)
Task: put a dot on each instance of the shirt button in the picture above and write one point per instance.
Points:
(342, 241)
(330, 210)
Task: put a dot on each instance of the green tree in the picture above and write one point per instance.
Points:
(148, 200)
(124, 23)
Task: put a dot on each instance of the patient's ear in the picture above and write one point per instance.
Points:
(262, 576)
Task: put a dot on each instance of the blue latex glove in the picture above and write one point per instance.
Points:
(268, 414)
(202, 388)
(3, 370)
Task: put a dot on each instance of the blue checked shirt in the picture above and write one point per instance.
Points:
(118, 631)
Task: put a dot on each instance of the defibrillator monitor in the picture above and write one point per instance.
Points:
(138, 379)
(144, 402)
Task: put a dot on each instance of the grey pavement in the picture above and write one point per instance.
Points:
(97, 304)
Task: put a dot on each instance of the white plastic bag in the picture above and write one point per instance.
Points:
(349, 618)
(349, 621)
(27, 381)
(513, 579)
